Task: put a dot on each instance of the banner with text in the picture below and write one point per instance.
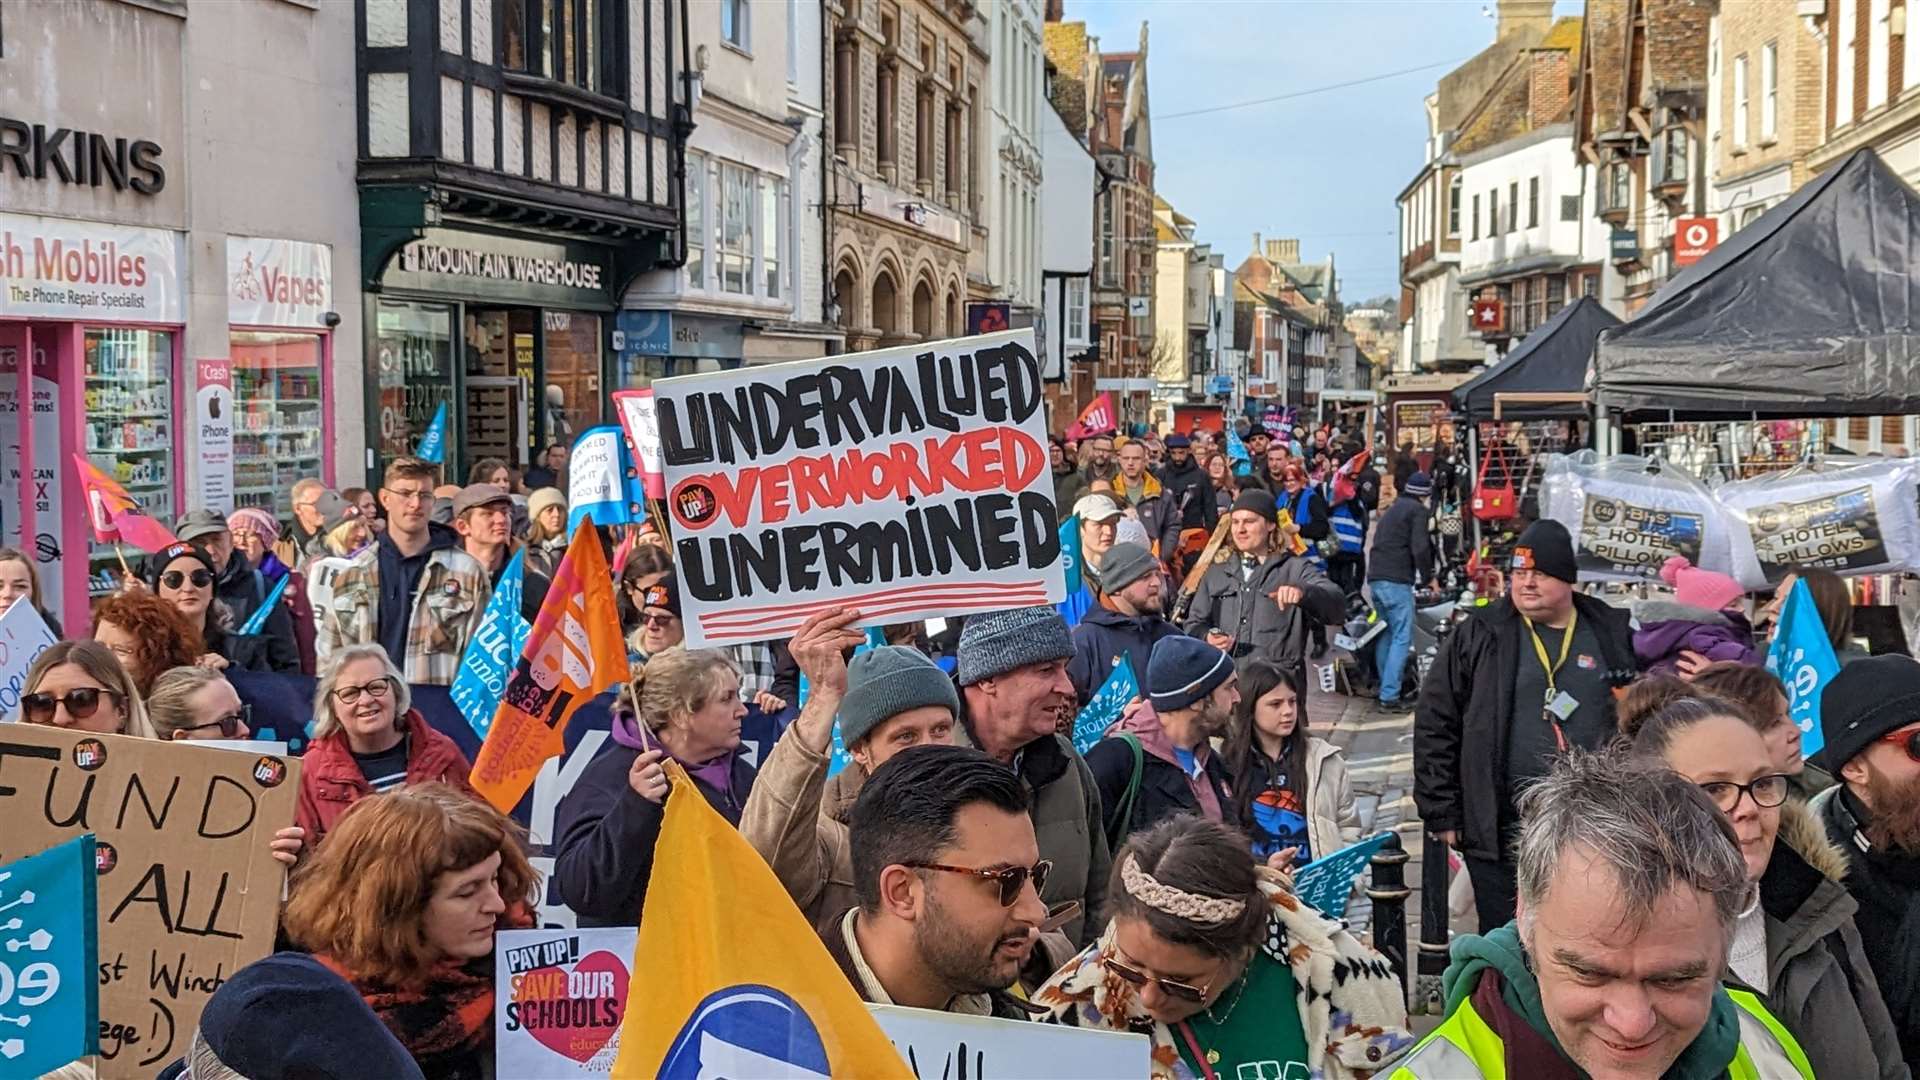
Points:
(48, 985)
(213, 432)
(911, 483)
(24, 635)
(278, 282)
(57, 268)
(189, 892)
(941, 1045)
(560, 996)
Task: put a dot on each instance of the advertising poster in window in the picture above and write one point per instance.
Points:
(42, 487)
(213, 433)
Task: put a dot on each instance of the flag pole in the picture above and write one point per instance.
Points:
(120, 553)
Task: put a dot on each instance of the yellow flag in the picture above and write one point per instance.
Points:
(729, 979)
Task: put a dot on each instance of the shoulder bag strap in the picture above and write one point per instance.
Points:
(1118, 832)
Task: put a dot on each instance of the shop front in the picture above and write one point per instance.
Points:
(91, 323)
(655, 344)
(506, 332)
(264, 413)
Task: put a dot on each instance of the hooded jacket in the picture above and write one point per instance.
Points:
(1103, 637)
(1166, 788)
(1819, 981)
(1886, 885)
(1159, 510)
(1667, 628)
(1243, 608)
(796, 818)
(331, 780)
(1466, 707)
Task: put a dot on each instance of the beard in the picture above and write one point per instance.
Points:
(963, 965)
(1896, 813)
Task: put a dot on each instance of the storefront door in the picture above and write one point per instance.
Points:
(30, 489)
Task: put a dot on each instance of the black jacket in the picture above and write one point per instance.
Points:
(1164, 790)
(1190, 492)
(1402, 550)
(1886, 885)
(1466, 708)
(604, 834)
(1243, 608)
(1104, 635)
(243, 589)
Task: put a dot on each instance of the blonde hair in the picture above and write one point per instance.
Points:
(678, 682)
(336, 538)
(324, 722)
(170, 702)
(102, 667)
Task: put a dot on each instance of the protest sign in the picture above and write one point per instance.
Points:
(23, 637)
(49, 992)
(939, 1046)
(189, 892)
(1802, 658)
(599, 484)
(560, 997)
(642, 426)
(495, 646)
(1326, 882)
(1120, 687)
(909, 483)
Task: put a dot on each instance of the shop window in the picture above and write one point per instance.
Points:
(277, 427)
(130, 430)
(736, 24)
(568, 41)
(570, 400)
(413, 356)
(735, 229)
(773, 202)
(696, 221)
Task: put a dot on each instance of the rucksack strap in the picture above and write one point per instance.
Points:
(1117, 832)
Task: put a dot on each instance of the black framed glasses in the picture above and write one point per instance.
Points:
(173, 579)
(232, 726)
(1187, 992)
(81, 702)
(1766, 792)
(348, 695)
(1010, 879)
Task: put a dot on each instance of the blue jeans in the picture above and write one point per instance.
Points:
(1394, 602)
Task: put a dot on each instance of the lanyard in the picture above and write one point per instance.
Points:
(1199, 1056)
(1553, 669)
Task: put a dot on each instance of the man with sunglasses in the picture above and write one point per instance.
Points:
(948, 875)
(1870, 718)
(413, 590)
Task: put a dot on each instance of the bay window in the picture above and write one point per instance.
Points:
(735, 229)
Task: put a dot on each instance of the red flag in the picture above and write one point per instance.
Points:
(574, 652)
(1096, 419)
(1344, 485)
(114, 515)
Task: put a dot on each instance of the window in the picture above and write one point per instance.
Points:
(563, 40)
(1673, 162)
(1843, 70)
(1569, 208)
(1513, 206)
(1556, 294)
(1769, 92)
(1739, 101)
(1590, 285)
(1076, 330)
(1533, 202)
(1493, 213)
(1108, 274)
(1616, 187)
(696, 221)
(735, 239)
(1476, 218)
(735, 19)
(1879, 50)
(773, 201)
(1453, 208)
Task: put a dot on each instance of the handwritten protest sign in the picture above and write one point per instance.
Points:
(637, 419)
(910, 483)
(188, 891)
(1327, 881)
(49, 996)
(23, 637)
(940, 1046)
(561, 995)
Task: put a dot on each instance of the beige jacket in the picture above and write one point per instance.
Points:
(1332, 820)
(796, 818)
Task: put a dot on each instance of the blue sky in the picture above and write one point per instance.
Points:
(1324, 167)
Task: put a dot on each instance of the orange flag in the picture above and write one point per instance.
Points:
(574, 652)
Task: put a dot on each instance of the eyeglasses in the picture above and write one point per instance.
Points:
(1010, 879)
(347, 695)
(1766, 792)
(81, 702)
(1188, 992)
(231, 726)
(1910, 736)
(658, 622)
(418, 495)
(173, 579)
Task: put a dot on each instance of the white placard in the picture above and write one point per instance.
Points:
(278, 282)
(911, 483)
(213, 433)
(270, 747)
(23, 637)
(56, 268)
(559, 998)
(934, 1044)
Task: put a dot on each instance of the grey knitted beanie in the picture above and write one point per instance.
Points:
(886, 681)
(1002, 641)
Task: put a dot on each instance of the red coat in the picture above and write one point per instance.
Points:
(331, 781)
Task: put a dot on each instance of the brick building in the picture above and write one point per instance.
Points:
(1765, 66)
(1871, 50)
(1121, 138)
(906, 116)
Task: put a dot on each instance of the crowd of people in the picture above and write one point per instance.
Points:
(1663, 885)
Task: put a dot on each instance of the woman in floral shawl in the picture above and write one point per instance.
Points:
(1225, 970)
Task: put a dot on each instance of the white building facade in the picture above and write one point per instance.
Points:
(1066, 259)
(1013, 161)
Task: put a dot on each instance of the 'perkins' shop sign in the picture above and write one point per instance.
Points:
(56, 268)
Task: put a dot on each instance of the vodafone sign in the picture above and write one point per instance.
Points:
(1693, 237)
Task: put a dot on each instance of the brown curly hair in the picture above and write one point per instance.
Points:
(163, 639)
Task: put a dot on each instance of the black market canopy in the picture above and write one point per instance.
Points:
(1551, 360)
(1809, 311)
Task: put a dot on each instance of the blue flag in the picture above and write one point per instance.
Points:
(1122, 686)
(1326, 882)
(1079, 595)
(1802, 658)
(48, 930)
(602, 481)
(258, 620)
(494, 650)
(433, 445)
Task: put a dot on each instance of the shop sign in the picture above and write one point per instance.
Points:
(1693, 238)
(80, 158)
(670, 333)
(278, 282)
(989, 317)
(487, 266)
(1625, 245)
(1489, 315)
(213, 433)
(1220, 384)
(56, 268)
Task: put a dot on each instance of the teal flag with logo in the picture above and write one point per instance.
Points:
(494, 650)
(1802, 658)
(1079, 592)
(1105, 706)
(49, 962)
(433, 445)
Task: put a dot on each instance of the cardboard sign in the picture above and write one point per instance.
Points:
(560, 995)
(23, 637)
(188, 891)
(941, 1045)
(49, 990)
(910, 483)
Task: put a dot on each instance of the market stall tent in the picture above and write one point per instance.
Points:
(1809, 311)
(1551, 360)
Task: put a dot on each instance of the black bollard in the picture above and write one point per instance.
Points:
(1389, 892)
(1434, 919)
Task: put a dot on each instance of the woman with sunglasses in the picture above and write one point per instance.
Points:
(367, 739)
(184, 576)
(195, 704)
(650, 605)
(1796, 944)
(81, 685)
(1212, 958)
(147, 635)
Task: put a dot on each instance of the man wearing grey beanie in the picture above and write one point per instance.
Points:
(887, 699)
(1016, 699)
(1127, 619)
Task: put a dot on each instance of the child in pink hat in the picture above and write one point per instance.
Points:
(1703, 619)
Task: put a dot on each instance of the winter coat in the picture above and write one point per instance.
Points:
(604, 834)
(243, 589)
(796, 818)
(1166, 789)
(1243, 607)
(1886, 885)
(447, 609)
(1103, 637)
(1159, 511)
(1667, 628)
(1819, 981)
(1067, 488)
(331, 781)
(1066, 822)
(1466, 710)
(1191, 491)
(1402, 549)
(1333, 822)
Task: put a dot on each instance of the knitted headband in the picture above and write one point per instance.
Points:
(1210, 910)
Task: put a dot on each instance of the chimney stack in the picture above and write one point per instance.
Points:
(1525, 20)
(1283, 251)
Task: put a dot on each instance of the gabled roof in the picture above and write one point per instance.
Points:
(1506, 110)
(1600, 92)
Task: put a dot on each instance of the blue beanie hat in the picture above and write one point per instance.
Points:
(288, 1016)
(886, 681)
(1007, 640)
(1182, 670)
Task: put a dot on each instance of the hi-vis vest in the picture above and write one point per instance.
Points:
(1464, 1046)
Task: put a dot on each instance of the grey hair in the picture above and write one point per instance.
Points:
(324, 722)
(1655, 829)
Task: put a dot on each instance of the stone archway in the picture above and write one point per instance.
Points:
(886, 306)
(923, 318)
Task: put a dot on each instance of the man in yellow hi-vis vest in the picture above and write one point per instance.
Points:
(1629, 885)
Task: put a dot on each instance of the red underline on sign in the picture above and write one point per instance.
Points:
(786, 618)
(917, 591)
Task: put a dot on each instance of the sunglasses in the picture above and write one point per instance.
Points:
(81, 704)
(232, 725)
(172, 579)
(1187, 992)
(347, 695)
(1766, 792)
(1010, 880)
(659, 622)
(1909, 736)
